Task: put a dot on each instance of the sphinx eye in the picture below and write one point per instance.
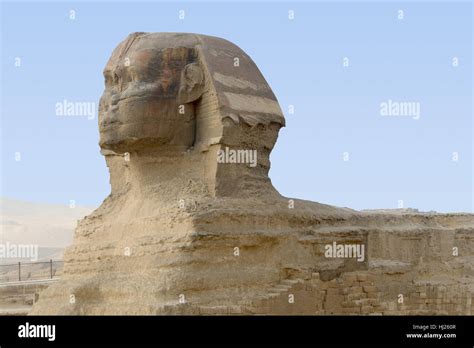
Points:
(116, 78)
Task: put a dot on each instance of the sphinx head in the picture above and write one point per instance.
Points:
(170, 94)
(149, 88)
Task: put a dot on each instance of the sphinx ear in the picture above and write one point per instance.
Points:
(191, 84)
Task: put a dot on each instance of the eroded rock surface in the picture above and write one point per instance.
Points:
(184, 231)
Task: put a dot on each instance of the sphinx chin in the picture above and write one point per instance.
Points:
(144, 137)
(193, 224)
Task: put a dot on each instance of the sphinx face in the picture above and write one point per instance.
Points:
(146, 101)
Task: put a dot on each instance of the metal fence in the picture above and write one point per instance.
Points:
(23, 271)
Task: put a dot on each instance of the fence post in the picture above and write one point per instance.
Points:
(19, 271)
(51, 267)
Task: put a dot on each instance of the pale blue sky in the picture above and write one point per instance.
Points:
(336, 108)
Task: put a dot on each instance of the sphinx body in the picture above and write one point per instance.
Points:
(184, 232)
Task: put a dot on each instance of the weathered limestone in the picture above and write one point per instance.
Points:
(183, 233)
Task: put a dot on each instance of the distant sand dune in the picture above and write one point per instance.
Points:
(49, 226)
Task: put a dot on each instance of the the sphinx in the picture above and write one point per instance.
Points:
(187, 229)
